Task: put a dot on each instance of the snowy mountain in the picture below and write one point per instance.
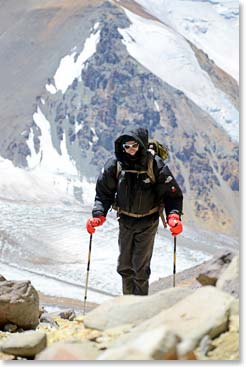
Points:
(211, 25)
(73, 73)
(79, 71)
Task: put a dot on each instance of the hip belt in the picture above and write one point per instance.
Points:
(154, 210)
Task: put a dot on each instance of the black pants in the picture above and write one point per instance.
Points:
(136, 241)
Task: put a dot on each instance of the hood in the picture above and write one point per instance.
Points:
(138, 134)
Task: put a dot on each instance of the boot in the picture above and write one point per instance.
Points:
(127, 286)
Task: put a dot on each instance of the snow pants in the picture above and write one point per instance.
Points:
(136, 241)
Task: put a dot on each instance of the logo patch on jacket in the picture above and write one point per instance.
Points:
(168, 179)
(147, 180)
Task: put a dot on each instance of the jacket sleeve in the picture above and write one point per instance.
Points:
(168, 191)
(106, 187)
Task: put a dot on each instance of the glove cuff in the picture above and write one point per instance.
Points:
(176, 211)
(102, 218)
(174, 216)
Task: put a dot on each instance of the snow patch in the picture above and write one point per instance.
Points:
(56, 172)
(51, 88)
(71, 65)
(156, 106)
(169, 56)
(212, 26)
(25, 185)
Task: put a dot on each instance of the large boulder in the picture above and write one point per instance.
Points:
(132, 309)
(214, 268)
(2, 278)
(229, 280)
(26, 344)
(19, 304)
(155, 344)
(69, 351)
(204, 312)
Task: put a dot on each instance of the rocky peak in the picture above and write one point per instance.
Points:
(113, 90)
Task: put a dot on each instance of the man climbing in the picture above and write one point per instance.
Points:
(125, 181)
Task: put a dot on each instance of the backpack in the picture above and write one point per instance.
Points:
(154, 147)
(160, 149)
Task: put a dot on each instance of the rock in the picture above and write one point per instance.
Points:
(184, 279)
(205, 345)
(2, 279)
(47, 319)
(234, 323)
(226, 347)
(6, 357)
(64, 351)
(155, 344)
(229, 280)
(68, 315)
(108, 337)
(188, 356)
(26, 344)
(215, 267)
(235, 307)
(19, 304)
(10, 328)
(204, 312)
(42, 311)
(132, 309)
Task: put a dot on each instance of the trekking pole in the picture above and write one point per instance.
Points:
(174, 259)
(162, 218)
(87, 274)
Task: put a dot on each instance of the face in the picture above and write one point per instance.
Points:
(131, 147)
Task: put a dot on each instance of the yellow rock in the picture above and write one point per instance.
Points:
(6, 357)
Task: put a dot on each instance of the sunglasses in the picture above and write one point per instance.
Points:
(128, 146)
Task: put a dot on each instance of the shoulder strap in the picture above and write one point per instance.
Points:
(150, 169)
(118, 169)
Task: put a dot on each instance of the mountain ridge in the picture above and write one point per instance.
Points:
(114, 89)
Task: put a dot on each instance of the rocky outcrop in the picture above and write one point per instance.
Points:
(112, 91)
(206, 311)
(206, 273)
(156, 344)
(178, 324)
(26, 344)
(19, 304)
(220, 79)
(132, 309)
(67, 351)
(229, 279)
(211, 272)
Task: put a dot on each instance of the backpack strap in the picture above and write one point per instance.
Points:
(118, 169)
(149, 171)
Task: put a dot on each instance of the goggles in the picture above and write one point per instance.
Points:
(128, 146)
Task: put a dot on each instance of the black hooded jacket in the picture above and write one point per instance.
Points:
(133, 192)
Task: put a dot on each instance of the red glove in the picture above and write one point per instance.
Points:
(94, 222)
(175, 224)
